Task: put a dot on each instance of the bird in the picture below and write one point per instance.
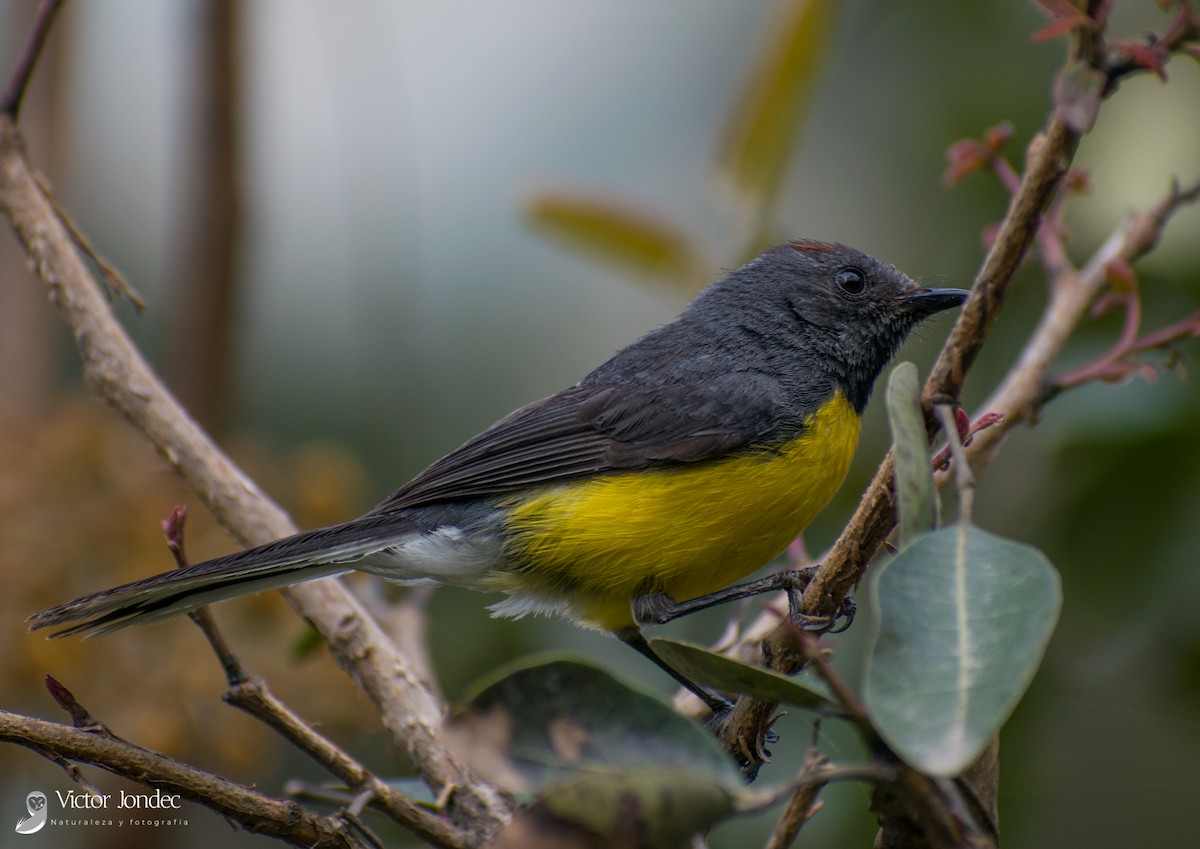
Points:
(682, 464)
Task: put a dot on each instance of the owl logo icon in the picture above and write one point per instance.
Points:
(33, 822)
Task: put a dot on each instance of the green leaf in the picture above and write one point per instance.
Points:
(733, 676)
(962, 620)
(916, 497)
(607, 765)
(619, 235)
(547, 721)
(770, 108)
(642, 810)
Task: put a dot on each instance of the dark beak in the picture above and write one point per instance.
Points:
(926, 302)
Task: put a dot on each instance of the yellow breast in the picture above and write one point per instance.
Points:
(688, 530)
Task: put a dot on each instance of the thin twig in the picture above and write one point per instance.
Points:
(114, 282)
(251, 694)
(803, 804)
(80, 718)
(72, 770)
(18, 83)
(1049, 157)
(811, 649)
(963, 479)
(1028, 387)
(250, 809)
(1048, 161)
(173, 529)
(941, 460)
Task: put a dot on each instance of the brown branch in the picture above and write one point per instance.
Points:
(116, 371)
(252, 810)
(803, 804)
(915, 810)
(1048, 161)
(1048, 158)
(1018, 399)
(250, 694)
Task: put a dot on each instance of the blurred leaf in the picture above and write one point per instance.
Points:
(771, 105)
(548, 721)
(733, 676)
(997, 137)
(962, 620)
(1067, 16)
(916, 498)
(639, 810)
(619, 235)
(963, 158)
(610, 766)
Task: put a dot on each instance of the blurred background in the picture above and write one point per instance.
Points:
(366, 230)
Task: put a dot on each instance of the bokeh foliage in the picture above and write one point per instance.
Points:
(397, 301)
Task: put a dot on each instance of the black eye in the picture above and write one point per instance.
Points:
(851, 281)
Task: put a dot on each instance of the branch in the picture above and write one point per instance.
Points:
(251, 694)
(1047, 163)
(1048, 159)
(1027, 387)
(117, 372)
(803, 804)
(252, 810)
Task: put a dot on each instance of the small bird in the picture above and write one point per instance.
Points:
(685, 462)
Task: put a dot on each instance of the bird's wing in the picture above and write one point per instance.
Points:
(589, 430)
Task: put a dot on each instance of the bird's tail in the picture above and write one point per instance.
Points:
(303, 557)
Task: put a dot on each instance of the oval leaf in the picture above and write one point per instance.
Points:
(962, 620)
(640, 810)
(916, 497)
(730, 675)
(549, 721)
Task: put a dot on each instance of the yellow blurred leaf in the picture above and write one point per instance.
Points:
(618, 234)
(771, 106)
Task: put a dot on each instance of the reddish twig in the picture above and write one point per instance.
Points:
(173, 529)
(1151, 53)
(1123, 359)
(80, 717)
(941, 460)
(966, 156)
